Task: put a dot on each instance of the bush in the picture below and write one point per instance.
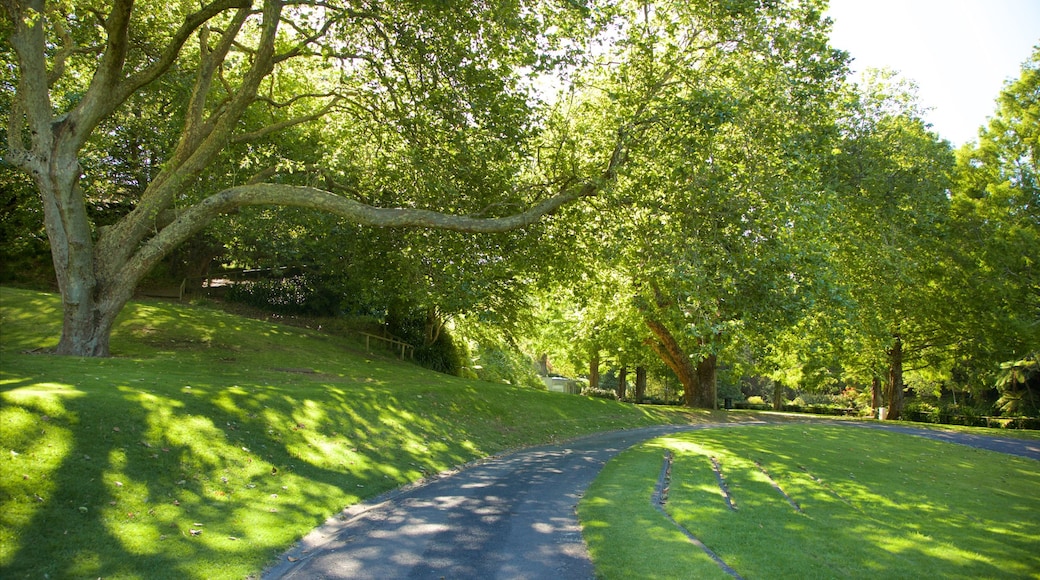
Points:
(300, 295)
(443, 356)
(756, 400)
(599, 393)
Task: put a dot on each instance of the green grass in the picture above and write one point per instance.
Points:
(209, 443)
(874, 504)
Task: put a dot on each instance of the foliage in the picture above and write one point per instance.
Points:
(874, 516)
(495, 356)
(425, 110)
(301, 294)
(697, 242)
(888, 177)
(438, 353)
(995, 215)
(1019, 385)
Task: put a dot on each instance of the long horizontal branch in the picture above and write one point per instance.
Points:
(363, 214)
(196, 217)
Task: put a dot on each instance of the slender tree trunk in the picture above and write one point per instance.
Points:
(594, 369)
(622, 383)
(778, 396)
(876, 401)
(640, 383)
(895, 380)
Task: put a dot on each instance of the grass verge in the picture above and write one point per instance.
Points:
(870, 504)
(210, 443)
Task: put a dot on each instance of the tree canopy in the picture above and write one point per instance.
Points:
(686, 185)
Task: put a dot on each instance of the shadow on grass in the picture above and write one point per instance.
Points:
(183, 479)
(874, 504)
(210, 443)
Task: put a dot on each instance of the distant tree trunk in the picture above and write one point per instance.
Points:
(895, 380)
(778, 396)
(668, 349)
(640, 383)
(876, 401)
(707, 379)
(594, 369)
(543, 364)
(622, 383)
(433, 326)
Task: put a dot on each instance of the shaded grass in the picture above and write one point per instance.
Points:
(873, 504)
(210, 443)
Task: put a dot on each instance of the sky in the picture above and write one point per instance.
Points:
(959, 52)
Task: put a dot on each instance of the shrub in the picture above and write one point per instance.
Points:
(756, 400)
(293, 295)
(599, 393)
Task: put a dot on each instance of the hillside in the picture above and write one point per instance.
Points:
(209, 442)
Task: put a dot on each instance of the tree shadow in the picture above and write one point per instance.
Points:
(180, 479)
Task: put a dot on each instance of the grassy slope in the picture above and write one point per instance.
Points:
(209, 442)
(874, 504)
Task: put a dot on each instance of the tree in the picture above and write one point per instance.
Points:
(891, 176)
(709, 212)
(441, 78)
(995, 216)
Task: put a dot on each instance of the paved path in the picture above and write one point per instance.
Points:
(510, 517)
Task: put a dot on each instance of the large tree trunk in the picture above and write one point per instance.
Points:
(594, 369)
(673, 355)
(90, 302)
(622, 383)
(895, 380)
(640, 383)
(707, 380)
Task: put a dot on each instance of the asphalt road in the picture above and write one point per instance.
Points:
(510, 517)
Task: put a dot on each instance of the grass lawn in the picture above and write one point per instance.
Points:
(209, 443)
(869, 503)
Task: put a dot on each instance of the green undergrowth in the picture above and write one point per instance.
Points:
(870, 504)
(208, 443)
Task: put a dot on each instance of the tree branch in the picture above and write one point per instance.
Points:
(274, 128)
(196, 217)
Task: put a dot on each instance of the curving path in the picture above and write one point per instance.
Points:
(509, 517)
